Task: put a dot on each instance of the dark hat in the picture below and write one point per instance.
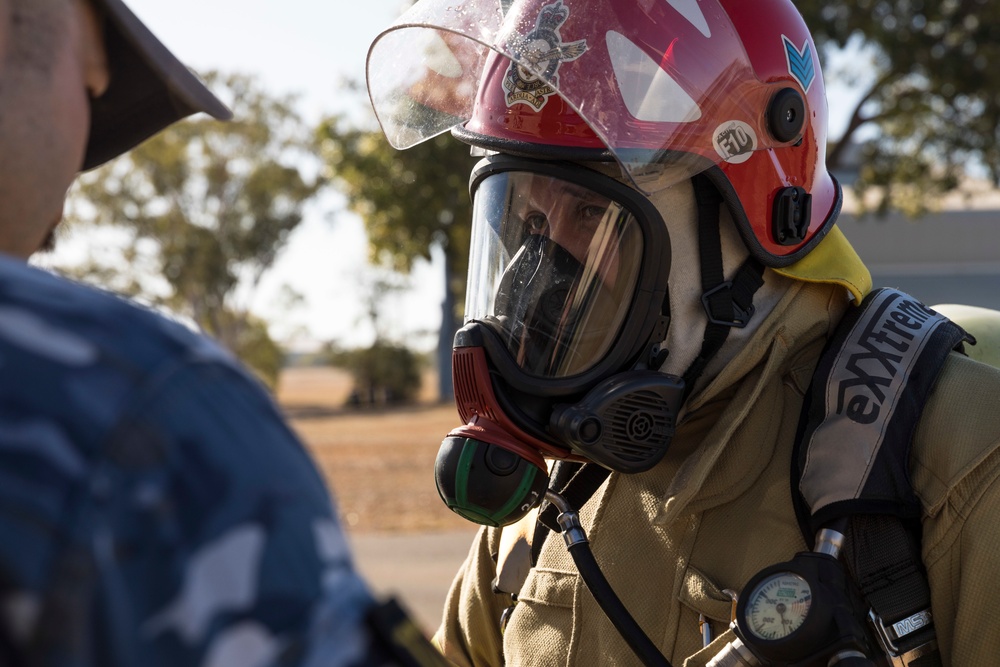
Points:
(149, 89)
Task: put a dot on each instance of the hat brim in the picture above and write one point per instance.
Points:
(149, 89)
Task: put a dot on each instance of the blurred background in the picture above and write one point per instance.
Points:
(334, 266)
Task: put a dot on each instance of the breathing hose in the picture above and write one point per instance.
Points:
(579, 548)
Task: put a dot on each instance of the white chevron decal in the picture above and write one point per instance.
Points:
(691, 10)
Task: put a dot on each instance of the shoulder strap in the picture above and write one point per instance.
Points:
(852, 451)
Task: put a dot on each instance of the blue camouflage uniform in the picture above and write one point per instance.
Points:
(154, 507)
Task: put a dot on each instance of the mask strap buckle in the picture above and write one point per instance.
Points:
(725, 308)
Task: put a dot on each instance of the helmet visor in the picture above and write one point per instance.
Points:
(656, 82)
(553, 269)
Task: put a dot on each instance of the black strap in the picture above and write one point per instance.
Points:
(882, 552)
(736, 297)
(577, 483)
(727, 304)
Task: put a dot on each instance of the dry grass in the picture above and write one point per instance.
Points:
(380, 463)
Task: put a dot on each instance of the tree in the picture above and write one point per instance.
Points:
(384, 373)
(202, 211)
(410, 201)
(930, 105)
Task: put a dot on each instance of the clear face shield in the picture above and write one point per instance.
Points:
(554, 266)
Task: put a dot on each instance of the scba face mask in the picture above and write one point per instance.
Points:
(566, 311)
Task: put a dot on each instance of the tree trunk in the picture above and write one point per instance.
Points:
(446, 335)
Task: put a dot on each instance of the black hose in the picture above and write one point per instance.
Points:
(613, 607)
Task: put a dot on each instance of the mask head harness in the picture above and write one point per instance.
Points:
(566, 313)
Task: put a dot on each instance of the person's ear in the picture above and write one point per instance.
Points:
(94, 55)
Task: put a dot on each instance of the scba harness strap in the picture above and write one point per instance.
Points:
(852, 458)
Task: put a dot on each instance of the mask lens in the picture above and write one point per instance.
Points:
(553, 269)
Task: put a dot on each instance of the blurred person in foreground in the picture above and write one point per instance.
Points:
(154, 507)
(655, 273)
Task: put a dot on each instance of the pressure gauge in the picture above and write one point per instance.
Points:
(785, 611)
(804, 612)
(778, 606)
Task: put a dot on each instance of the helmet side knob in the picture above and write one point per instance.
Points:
(786, 115)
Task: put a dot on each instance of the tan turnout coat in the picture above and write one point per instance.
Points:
(718, 509)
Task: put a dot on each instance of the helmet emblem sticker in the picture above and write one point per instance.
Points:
(800, 62)
(734, 141)
(541, 51)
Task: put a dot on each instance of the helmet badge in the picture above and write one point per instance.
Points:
(800, 62)
(531, 78)
(735, 141)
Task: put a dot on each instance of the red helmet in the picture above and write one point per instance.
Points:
(732, 89)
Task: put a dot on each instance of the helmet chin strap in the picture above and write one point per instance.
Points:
(701, 297)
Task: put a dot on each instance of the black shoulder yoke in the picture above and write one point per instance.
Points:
(852, 454)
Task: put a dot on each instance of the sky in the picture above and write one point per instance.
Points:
(307, 48)
(304, 47)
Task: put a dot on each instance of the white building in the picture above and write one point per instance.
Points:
(949, 256)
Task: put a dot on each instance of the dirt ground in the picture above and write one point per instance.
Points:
(380, 462)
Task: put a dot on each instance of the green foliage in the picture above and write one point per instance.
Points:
(932, 91)
(383, 373)
(257, 349)
(206, 207)
(409, 200)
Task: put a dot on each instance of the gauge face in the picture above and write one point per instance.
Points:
(778, 606)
